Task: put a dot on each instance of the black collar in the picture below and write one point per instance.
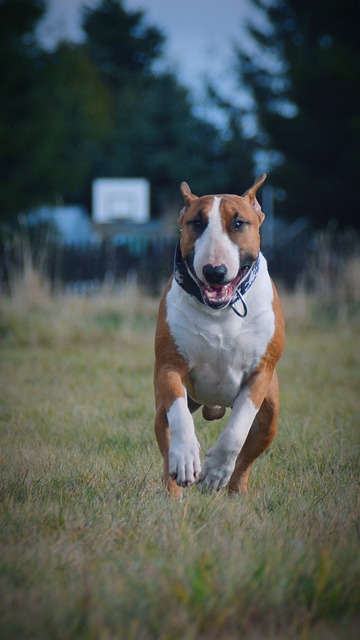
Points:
(184, 279)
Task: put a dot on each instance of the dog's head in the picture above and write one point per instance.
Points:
(220, 240)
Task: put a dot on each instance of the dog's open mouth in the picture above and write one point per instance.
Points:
(219, 296)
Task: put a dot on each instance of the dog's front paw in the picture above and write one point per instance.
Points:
(184, 462)
(217, 470)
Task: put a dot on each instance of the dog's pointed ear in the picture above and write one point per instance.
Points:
(250, 196)
(186, 194)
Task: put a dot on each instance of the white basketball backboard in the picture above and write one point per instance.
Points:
(121, 199)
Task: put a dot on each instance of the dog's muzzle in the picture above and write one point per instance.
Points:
(216, 293)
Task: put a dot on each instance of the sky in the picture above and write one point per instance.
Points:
(200, 35)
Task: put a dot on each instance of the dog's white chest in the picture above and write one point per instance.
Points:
(220, 348)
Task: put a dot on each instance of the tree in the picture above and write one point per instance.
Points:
(21, 64)
(54, 113)
(78, 122)
(122, 50)
(99, 109)
(156, 134)
(167, 143)
(304, 80)
(119, 42)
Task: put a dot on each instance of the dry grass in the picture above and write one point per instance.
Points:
(91, 549)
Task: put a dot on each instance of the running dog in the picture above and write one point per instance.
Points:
(220, 333)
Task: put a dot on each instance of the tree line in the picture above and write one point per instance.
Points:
(100, 108)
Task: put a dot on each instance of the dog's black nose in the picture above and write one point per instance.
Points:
(215, 275)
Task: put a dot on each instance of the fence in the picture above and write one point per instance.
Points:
(83, 269)
(293, 258)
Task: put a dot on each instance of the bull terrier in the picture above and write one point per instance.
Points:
(220, 333)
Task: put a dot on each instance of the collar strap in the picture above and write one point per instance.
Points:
(184, 279)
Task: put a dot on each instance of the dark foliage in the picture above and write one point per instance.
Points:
(96, 109)
(304, 81)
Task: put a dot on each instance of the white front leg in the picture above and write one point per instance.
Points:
(184, 458)
(220, 459)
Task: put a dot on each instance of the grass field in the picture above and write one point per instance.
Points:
(90, 547)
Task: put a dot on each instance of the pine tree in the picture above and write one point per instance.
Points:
(22, 66)
(304, 80)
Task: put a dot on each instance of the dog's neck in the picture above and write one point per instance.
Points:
(184, 279)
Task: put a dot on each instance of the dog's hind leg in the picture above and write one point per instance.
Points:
(260, 436)
(193, 406)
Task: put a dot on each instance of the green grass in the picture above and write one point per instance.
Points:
(90, 547)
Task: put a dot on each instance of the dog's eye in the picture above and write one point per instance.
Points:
(196, 224)
(238, 224)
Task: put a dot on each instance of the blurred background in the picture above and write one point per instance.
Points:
(107, 105)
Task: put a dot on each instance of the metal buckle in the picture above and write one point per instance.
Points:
(233, 303)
